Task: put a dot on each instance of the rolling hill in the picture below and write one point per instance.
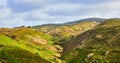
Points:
(92, 40)
(66, 33)
(99, 45)
(60, 31)
(87, 20)
(48, 27)
(26, 45)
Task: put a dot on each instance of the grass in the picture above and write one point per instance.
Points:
(6, 55)
(22, 48)
(75, 56)
(103, 42)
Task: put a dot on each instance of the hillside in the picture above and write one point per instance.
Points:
(48, 27)
(26, 45)
(41, 45)
(99, 45)
(87, 20)
(81, 42)
(13, 52)
(60, 31)
(66, 33)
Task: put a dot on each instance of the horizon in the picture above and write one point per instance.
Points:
(15, 13)
(59, 23)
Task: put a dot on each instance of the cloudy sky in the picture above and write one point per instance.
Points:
(35, 12)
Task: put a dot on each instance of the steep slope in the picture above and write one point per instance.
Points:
(13, 52)
(31, 42)
(66, 33)
(99, 45)
(60, 31)
(83, 42)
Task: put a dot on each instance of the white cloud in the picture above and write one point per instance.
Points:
(29, 1)
(111, 4)
(64, 6)
(5, 13)
(56, 13)
(63, 9)
(3, 2)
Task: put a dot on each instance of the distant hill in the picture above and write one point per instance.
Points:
(98, 45)
(60, 31)
(48, 27)
(77, 21)
(66, 33)
(87, 20)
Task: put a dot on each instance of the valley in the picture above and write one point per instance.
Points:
(92, 40)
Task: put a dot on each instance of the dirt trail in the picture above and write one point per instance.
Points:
(73, 44)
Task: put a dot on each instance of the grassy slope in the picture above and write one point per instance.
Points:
(17, 40)
(13, 52)
(99, 45)
(23, 39)
(47, 27)
(102, 42)
(66, 33)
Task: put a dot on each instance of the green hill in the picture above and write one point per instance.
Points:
(82, 42)
(99, 45)
(68, 32)
(13, 52)
(47, 27)
(28, 45)
(64, 32)
(41, 46)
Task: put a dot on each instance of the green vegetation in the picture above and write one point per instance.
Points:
(84, 42)
(68, 32)
(13, 52)
(47, 27)
(101, 44)
(33, 44)
(76, 56)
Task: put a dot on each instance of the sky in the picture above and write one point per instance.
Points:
(14, 13)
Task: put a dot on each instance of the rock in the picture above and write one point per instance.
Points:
(59, 48)
(99, 36)
(51, 48)
(57, 55)
(90, 55)
(38, 41)
(107, 52)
